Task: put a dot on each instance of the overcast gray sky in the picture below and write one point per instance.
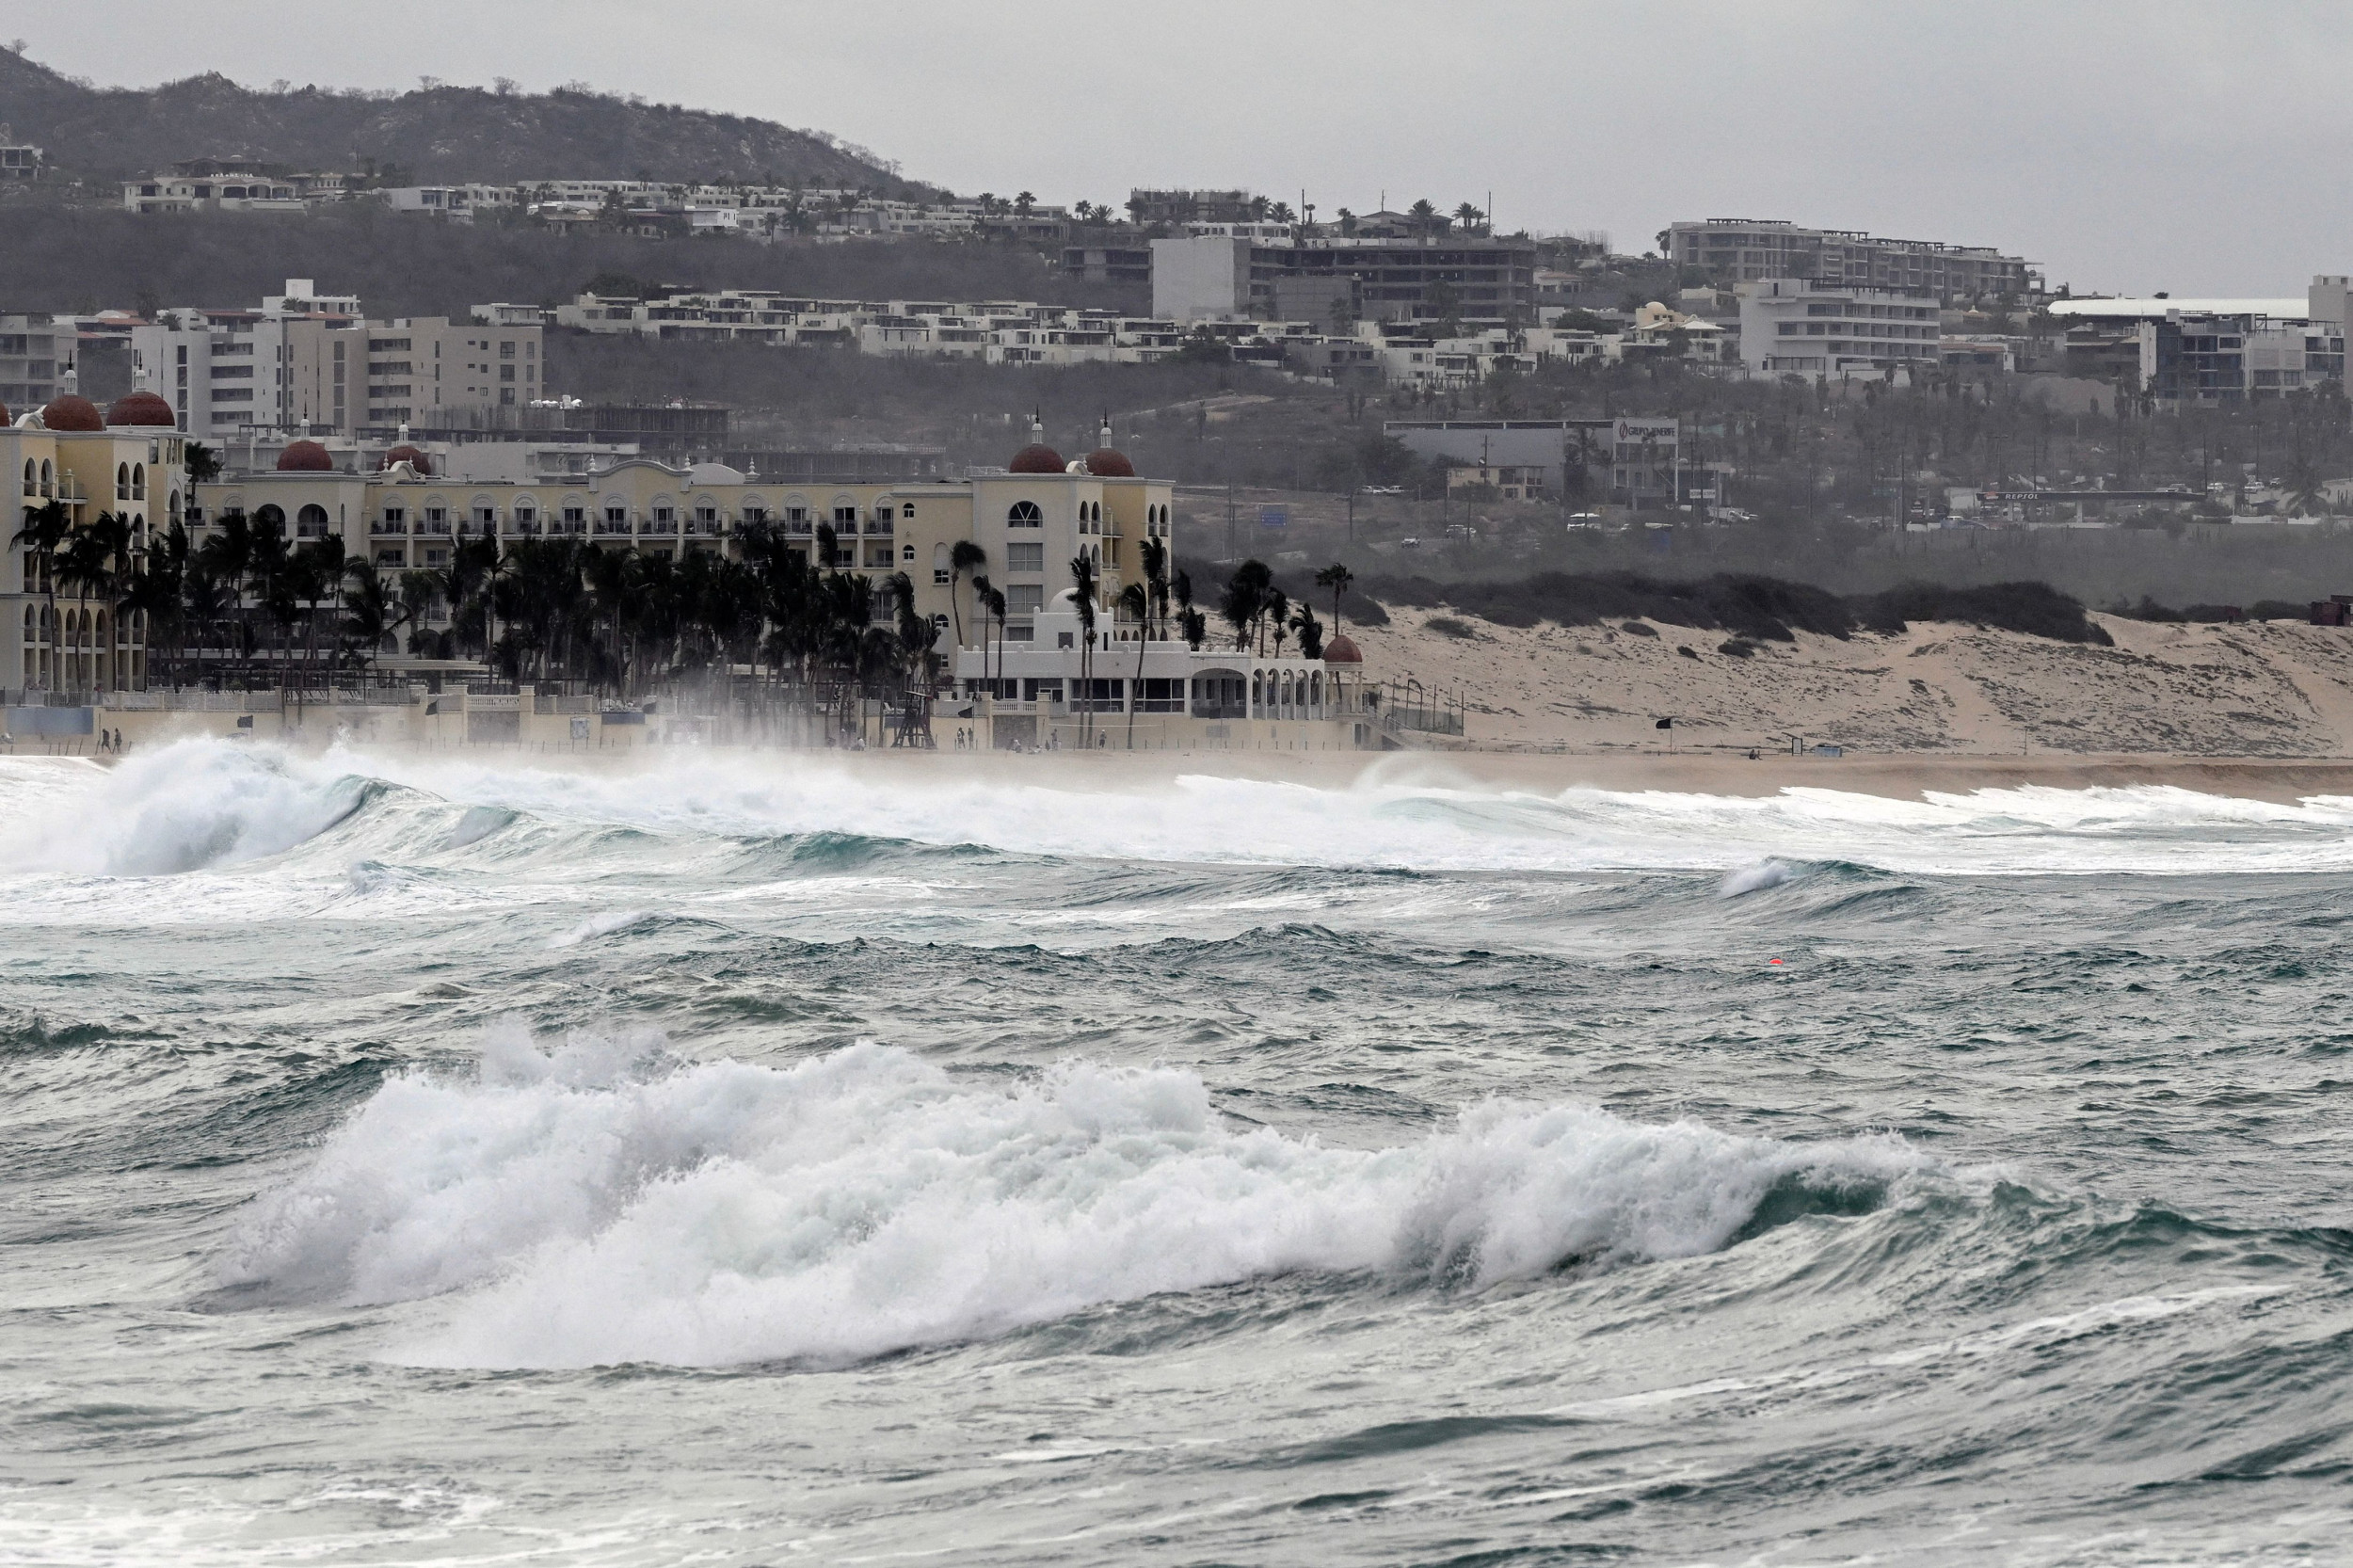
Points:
(2165, 144)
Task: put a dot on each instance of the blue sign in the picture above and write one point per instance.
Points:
(1275, 516)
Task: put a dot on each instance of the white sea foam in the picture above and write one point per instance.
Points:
(209, 804)
(591, 1211)
(1749, 879)
(177, 808)
(599, 925)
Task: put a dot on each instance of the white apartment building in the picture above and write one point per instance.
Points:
(1791, 326)
(458, 204)
(242, 193)
(311, 364)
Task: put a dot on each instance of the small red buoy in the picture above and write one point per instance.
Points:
(1776, 960)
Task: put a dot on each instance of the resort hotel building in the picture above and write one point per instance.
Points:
(1031, 676)
(121, 474)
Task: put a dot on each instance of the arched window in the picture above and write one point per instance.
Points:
(1258, 694)
(29, 489)
(175, 506)
(310, 522)
(138, 481)
(47, 477)
(122, 481)
(269, 519)
(1024, 514)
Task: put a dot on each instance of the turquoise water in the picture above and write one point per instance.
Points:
(749, 1160)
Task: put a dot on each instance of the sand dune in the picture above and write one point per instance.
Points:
(2267, 690)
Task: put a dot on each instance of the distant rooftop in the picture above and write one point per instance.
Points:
(2294, 308)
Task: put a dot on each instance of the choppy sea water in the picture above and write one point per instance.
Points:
(747, 1162)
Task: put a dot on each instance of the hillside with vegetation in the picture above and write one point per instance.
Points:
(437, 132)
(74, 258)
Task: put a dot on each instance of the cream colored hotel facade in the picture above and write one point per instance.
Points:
(1018, 683)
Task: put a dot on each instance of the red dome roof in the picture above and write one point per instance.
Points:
(1342, 649)
(1104, 463)
(1036, 458)
(141, 407)
(409, 455)
(69, 412)
(305, 457)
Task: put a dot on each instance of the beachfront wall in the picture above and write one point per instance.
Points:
(433, 720)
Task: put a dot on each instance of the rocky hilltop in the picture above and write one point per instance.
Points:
(434, 133)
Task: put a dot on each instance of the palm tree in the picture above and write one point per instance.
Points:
(1083, 585)
(95, 563)
(206, 604)
(995, 598)
(961, 557)
(155, 592)
(1278, 607)
(44, 530)
(371, 616)
(1425, 217)
(1136, 600)
(1469, 217)
(1191, 624)
(1239, 606)
(1337, 578)
(1310, 631)
(322, 563)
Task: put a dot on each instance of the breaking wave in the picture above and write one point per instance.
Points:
(205, 805)
(597, 1205)
(181, 808)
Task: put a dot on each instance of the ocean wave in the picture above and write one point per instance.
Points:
(599, 1204)
(208, 803)
(829, 814)
(181, 808)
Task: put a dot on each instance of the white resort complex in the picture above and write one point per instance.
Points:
(1030, 608)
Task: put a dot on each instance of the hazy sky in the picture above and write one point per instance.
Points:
(2159, 144)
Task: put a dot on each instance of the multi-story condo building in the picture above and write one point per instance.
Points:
(1749, 250)
(2189, 359)
(1177, 207)
(2177, 351)
(1788, 325)
(36, 355)
(311, 364)
(1226, 270)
